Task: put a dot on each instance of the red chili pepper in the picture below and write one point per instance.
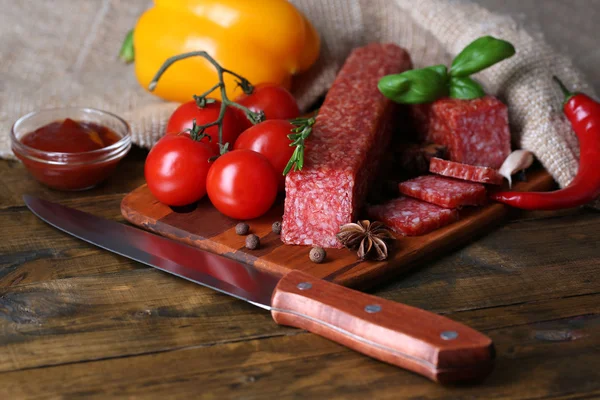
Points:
(584, 114)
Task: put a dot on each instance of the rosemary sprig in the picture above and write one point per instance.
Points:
(254, 117)
(303, 128)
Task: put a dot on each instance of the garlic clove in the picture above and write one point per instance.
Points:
(516, 161)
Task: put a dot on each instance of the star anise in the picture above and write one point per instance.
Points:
(371, 239)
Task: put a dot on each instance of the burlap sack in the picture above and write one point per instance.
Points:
(60, 53)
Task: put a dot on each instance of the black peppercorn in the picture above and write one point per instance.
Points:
(252, 242)
(242, 228)
(317, 255)
(276, 227)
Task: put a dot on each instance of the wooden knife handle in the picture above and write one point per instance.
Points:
(431, 345)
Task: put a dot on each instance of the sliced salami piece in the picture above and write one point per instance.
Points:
(344, 150)
(465, 172)
(475, 131)
(411, 217)
(444, 192)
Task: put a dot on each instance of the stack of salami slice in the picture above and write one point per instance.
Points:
(477, 138)
(352, 143)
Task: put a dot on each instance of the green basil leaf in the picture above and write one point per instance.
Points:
(481, 54)
(465, 88)
(440, 69)
(415, 86)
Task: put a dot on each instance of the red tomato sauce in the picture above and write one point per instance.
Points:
(70, 171)
(70, 136)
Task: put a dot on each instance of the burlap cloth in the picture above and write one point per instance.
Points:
(63, 52)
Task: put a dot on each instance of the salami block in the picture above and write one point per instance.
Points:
(411, 217)
(475, 131)
(343, 152)
(465, 172)
(444, 192)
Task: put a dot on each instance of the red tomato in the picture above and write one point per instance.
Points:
(176, 169)
(275, 101)
(242, 184)
(183, 117)
(269, 138)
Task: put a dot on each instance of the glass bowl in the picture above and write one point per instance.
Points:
(70, 171)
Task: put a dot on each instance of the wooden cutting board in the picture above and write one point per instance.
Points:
(206, 228)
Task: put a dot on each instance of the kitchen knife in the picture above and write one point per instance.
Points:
(428, 344)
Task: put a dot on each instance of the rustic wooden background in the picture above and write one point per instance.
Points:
(80, 322)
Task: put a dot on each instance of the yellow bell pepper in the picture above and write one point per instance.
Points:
(263, 41)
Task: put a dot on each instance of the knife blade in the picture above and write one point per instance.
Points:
(426, 343)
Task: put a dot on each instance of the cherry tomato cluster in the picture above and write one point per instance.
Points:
(242, 183)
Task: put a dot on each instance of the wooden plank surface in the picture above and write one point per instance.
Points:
(79, 322)
(203, 226)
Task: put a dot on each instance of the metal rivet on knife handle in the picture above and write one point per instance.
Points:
(373, 308)
(304, 285)
(449, 335)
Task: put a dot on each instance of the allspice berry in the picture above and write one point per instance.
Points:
(317, 255)
(242, 228)
(252, 242)
(276, 227)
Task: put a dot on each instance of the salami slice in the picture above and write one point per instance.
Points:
(342, 155)
(465, 172)
(475, 131)
(444, 192)
(411, 217)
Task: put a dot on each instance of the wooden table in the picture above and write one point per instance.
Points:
(80, 322)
